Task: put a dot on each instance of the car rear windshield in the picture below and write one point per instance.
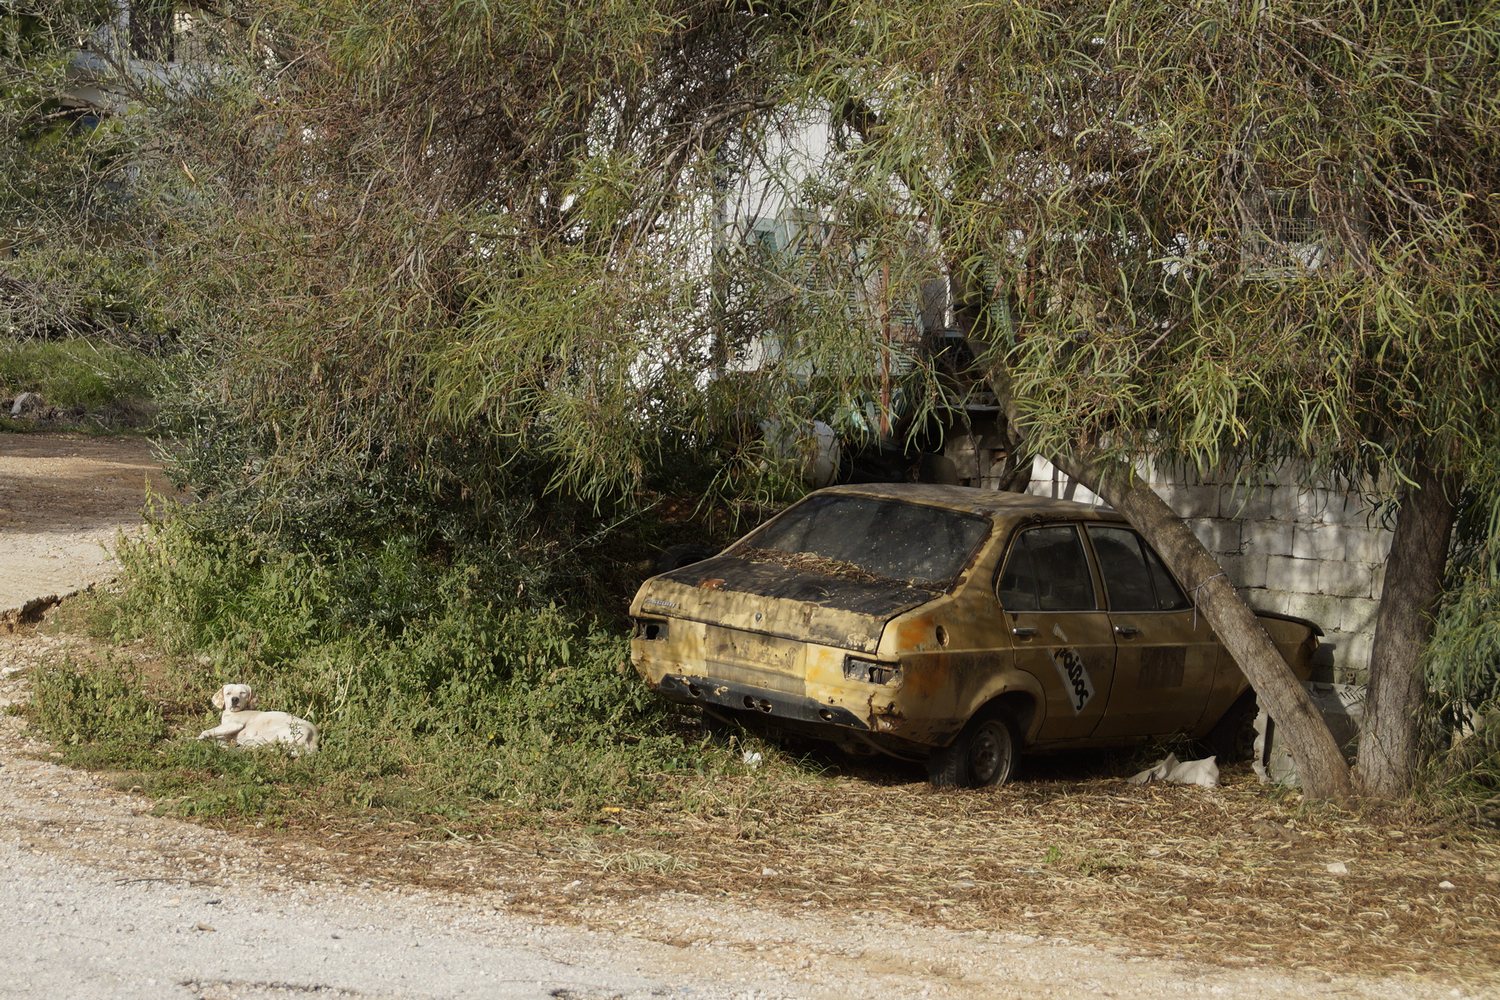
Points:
(861, 537)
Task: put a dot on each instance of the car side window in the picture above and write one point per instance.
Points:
(1169, 596)
(1134, 577)
(1047, 571)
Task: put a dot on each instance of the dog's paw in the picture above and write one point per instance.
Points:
(207, 734)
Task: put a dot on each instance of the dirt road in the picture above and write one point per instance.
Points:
(104, 899)
(63, 498)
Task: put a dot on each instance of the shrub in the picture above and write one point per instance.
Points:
(435, 697)
(116, 385)
(102, 713)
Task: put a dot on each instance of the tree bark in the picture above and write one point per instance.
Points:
(1320, 764)
(1413, 583)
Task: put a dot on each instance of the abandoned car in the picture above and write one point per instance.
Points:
(953, 625)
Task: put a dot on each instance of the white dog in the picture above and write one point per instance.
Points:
(245, 727)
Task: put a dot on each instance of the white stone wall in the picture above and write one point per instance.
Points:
(1289, 547)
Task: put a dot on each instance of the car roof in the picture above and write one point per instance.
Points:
(991, 503)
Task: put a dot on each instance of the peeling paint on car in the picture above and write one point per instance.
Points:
(830, 649)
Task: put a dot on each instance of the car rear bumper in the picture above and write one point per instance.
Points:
(777, 705)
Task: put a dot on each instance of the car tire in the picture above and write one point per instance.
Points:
(1232, 739)
(983, 755)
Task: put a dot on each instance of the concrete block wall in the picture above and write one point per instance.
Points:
(1291, 545)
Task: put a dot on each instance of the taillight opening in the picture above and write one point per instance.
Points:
(652, 629)
(870, 671)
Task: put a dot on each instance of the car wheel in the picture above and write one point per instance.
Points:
(1232, 739)
(983, 755)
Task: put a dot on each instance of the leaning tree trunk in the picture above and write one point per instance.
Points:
(1413, 583)
(1320, 763)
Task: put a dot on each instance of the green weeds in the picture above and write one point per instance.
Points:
(99, 715)
(89, 383)
(436, 700)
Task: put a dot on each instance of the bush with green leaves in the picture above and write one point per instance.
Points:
(435, 689)
(1463, 661)
(102, 715)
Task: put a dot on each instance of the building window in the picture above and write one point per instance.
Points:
(1284, 237)
(769, 235)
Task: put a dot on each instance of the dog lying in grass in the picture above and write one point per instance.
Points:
(242, 725)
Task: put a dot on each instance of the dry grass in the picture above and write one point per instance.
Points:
(1237, 875)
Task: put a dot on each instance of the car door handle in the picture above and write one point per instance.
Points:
(1023, 631)
(1126, 631)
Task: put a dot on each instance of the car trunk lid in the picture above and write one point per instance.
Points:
(847, 611)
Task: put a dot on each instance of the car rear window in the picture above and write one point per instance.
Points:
(856, 536)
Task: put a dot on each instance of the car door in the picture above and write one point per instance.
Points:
(1059, 632)
(1165, 653)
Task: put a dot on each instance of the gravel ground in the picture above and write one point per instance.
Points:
(108, 900)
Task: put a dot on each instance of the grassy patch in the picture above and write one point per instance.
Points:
(437, 704)
(99, 715)
(82, 382)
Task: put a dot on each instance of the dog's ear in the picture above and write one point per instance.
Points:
(249, 698)
(218, 699)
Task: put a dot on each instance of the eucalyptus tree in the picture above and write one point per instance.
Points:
(73, 261)
(1223, 234)
(30, 51)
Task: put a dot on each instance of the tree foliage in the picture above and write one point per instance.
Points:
(453, 255)
(497, 218)
(76, 254)
(1232, 235)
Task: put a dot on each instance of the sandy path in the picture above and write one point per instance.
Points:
(63, 499)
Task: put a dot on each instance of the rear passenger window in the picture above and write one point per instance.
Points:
(1169, 596)
(1047, 571)
(1134, 577)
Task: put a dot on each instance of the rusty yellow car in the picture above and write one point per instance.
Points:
(957, 626)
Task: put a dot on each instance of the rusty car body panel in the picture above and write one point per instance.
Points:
(1059, 616)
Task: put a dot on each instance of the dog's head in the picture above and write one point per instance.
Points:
(234, 698)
